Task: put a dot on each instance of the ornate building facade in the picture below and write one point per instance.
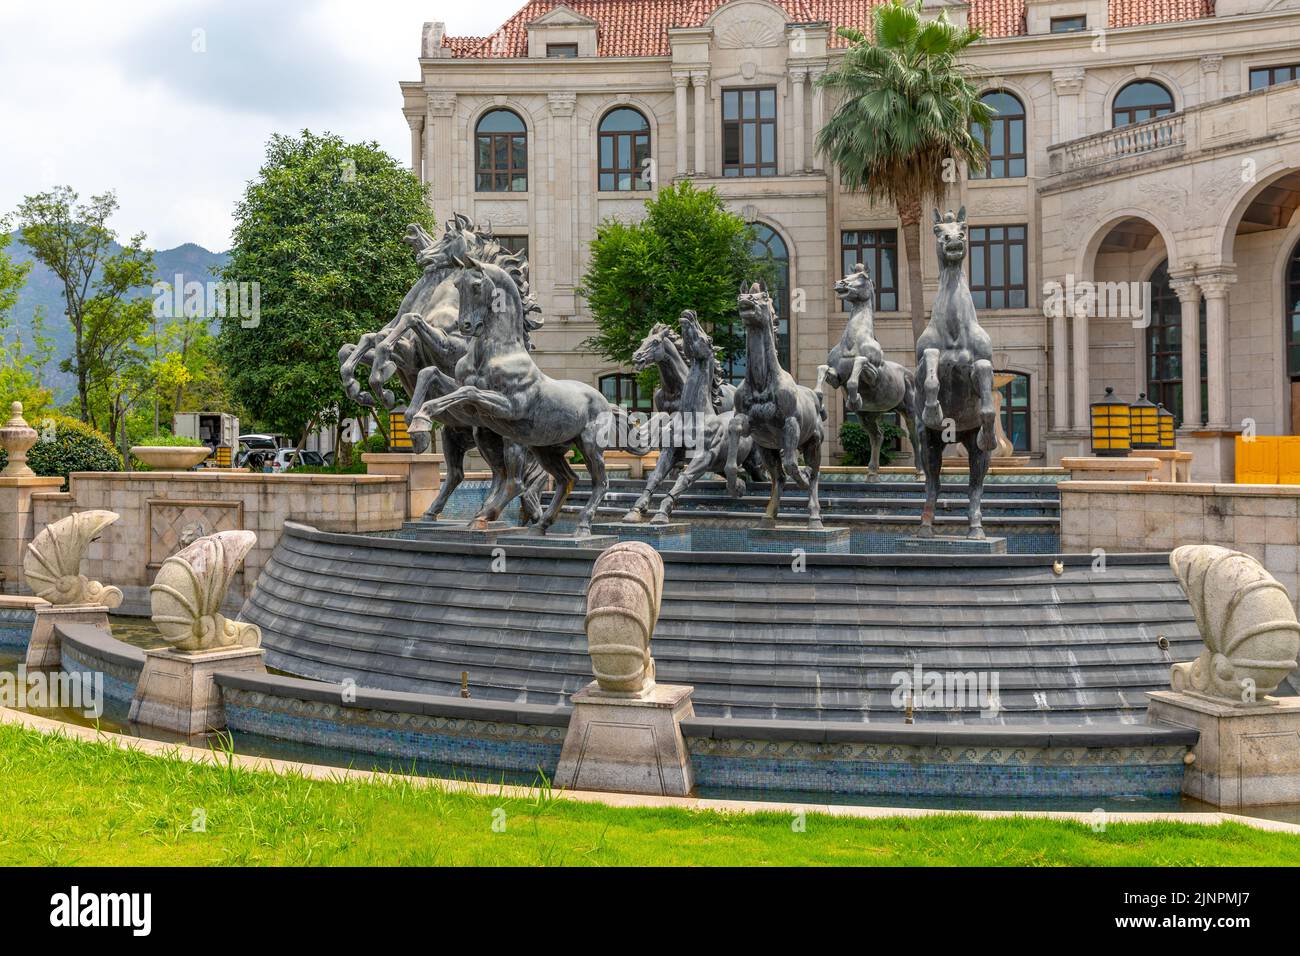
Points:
(1141, 202)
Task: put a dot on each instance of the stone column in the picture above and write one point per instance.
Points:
(700, 80)
(563, 208)
(1211, 71)
(1068, 84)
(1189, 301)
(439, 153)
(1079, 348)
(1061, 369)
(680, 82)
(416, 123)
(818, 110)
(798, 75)
(1214, 287)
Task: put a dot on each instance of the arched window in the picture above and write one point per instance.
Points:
(624, 142)
(1015, 409)
(1164, 347)
(1291, 314)
(768, 246)
(502, 153)
(1006, 143)
(1140, 100)
(622, 388)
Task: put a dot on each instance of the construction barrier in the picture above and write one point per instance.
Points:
(1268, 460)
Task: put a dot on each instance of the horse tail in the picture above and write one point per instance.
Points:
(821, 404)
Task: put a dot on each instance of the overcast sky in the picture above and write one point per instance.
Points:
(113, 95)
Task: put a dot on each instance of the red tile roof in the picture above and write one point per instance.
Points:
(640, 27)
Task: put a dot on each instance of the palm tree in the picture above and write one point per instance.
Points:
(904, 124)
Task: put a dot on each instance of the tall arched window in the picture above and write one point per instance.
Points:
(1015, 409)
(1006, 142)
(770, 247)
(1291, 314)
(624, 143)
(1164, 347)
(502, 153)
(1140, 100)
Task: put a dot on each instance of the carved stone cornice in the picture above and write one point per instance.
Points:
(681, 79)
(562, 103)
(1068, 81)
(415, 121)
(699, 78)
(798, 74)
(1185, 288)
(1211, 62)
(1215, 284)
(442, 104)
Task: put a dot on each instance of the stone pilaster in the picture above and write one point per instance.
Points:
(1211, 76)
(439, 153)
(1189, 301)
(1068, 85)
(680, 114)
(700, 80)
(416, 123)
(1214, 286)
(815, 73)
(1079, 359)
(798, 129)
(561, 198)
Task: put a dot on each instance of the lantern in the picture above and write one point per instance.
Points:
(1144, 423)
(1109, 425)
(1166, 427)
(399, 439)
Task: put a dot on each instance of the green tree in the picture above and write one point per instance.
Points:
(73, 240)
(21, 363)
(688, 252)
(320, 229)
(904, 122)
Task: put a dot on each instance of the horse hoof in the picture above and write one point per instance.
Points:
(419, 426)
(926, 531)
(873, 475)
(659, 518)
(986, 440)
(815, 524)
(976, 533)
(633, 517)
(581, 532)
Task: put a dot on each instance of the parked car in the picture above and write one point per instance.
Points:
(287, 458)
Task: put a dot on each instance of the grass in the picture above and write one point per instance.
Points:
(73, 802)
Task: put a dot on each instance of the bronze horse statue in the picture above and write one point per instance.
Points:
(954, 369)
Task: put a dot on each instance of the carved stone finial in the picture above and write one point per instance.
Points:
(1246, 620)
(15, 438)
(187, 595)
(627, 583)
(52, 564)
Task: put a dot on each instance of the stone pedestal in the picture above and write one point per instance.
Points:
(950, 544)
(1118, 468)
(628, 745)
(1248, 754)
(1175, 466)
(176, 691)
(553, 539)
(423, 474)
(1214, 454)
(674, 536)
(783, 539)
(458, 531)
(43, 647)
(17, 524)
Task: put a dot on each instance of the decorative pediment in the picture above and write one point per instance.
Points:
(561, 16)
(748, 25)
(562, 25)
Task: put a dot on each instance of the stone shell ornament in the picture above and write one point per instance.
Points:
(187, 595)
(1246, 620)
(623, 598)
(52, 562)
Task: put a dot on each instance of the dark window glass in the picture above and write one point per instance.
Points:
(1069, 24)
(1141, 100)
(1292, 315)
(514, 243)
(622, 389)
(769, 246)
(1164, 347)
(1015, 410)
(501, 153)
(562, 51)
(749, 132)
(877, 249)
(624, 150)
(1006, 143)
(1263, 76)
(997, 267)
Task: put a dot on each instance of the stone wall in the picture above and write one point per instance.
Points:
(1259, 520)
(160, 509)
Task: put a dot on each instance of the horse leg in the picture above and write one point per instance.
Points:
(907, 410)
(738, 426)
(552, 459)
(979, 466)
(704, 461)
(871, 423)
(772, 460)
(754, 463)
(988, 436)
(812, 453)
(455, 442)
(533, 478)
(504, 460)
(932, 454)
(593, 453)
(669, 458)
(790, 452)
(853, 385)
(932, 414)
(826, 374)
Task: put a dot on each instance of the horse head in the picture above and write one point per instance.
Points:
(950, 236)
(755, 307)
(856, 287)
(490, 300)
(699, 347)
(656, 347)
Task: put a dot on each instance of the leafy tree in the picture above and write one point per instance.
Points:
(688, 252)
(904, 122)
(74, 241)
(320, 229)
(21, 363)
(67, 445)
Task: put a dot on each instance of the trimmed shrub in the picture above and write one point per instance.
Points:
(857, 444)
(75, 447)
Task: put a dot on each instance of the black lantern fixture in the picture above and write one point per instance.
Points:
(1109, 421)
(1167, 432)
(1144, 423)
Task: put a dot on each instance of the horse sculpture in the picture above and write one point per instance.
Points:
(421, 346)
(873, 386)
(697, 419)
(501, 382)
(954, 370)
(783, 417)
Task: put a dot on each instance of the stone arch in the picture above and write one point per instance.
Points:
(1085, 261)
(1155, 75)
(1282, 402)
(1234, 210)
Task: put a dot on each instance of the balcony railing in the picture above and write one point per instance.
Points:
(1162, 132)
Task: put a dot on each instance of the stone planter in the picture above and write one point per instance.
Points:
(171, 457)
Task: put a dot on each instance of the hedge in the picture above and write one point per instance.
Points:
(75, 447)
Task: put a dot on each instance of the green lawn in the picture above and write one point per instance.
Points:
(70, 802)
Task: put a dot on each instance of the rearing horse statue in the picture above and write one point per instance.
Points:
(954, 369)
(873, 386)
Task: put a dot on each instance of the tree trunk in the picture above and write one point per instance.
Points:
(909, 216)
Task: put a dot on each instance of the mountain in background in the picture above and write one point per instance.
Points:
(44, 291)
